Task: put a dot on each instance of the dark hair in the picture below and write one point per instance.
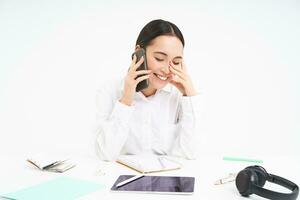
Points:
(157, 28)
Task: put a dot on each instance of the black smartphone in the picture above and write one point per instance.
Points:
(144, 83)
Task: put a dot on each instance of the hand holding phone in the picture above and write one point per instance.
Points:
(137, 73)
(140, 53)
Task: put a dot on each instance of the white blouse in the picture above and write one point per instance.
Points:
(164, 123)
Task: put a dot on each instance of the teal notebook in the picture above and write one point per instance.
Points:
(62, 188)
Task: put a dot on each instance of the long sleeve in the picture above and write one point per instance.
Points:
(112, 124)
(186, 129)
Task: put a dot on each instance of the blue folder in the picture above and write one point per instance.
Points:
(62, 188)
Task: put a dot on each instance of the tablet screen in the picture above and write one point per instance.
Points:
(161, 184)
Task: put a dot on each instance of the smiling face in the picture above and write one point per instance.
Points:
(160, 52)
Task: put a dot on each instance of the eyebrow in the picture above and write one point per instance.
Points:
(159, 52)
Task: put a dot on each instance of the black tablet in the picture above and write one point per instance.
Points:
(156, 184)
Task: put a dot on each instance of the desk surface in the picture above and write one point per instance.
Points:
(15, 174)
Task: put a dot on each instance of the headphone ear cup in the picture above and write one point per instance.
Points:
(244, 181)
(261, 173)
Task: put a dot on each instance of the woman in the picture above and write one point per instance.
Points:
(159, 119)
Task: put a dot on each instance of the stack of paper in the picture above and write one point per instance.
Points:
(50, 163)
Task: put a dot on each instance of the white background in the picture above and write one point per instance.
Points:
(242, 55)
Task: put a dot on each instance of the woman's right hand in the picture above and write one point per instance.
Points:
(131, 80)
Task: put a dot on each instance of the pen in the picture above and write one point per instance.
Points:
(129, 180)
(227, 158)
(161, 162)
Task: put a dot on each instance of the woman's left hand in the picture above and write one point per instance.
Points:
(182, 80)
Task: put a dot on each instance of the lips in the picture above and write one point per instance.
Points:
(163, 78)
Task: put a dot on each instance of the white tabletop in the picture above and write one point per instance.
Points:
(16, 173)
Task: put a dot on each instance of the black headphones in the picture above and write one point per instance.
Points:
(252, 179)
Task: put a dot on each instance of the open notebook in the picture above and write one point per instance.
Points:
(48, 162)
(148, 163)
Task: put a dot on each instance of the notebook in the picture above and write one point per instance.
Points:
(51, 163)
(148, 163)
(62, 188)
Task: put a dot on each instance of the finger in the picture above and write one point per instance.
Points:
(132, 63)
(141, 78)
(141, 72)
(177, 72)
(175, 83)
(176, 67)
(138, 63)
(177, 79)
(133, 60)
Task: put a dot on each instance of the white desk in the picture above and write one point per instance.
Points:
(15, 174)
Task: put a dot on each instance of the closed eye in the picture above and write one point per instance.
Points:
(160, 60)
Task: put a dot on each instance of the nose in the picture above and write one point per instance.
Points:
(166, 70)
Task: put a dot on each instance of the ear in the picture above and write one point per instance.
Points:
(137, 47)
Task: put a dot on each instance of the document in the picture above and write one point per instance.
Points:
(148, 163)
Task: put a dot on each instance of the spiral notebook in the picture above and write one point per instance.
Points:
(149, 163)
